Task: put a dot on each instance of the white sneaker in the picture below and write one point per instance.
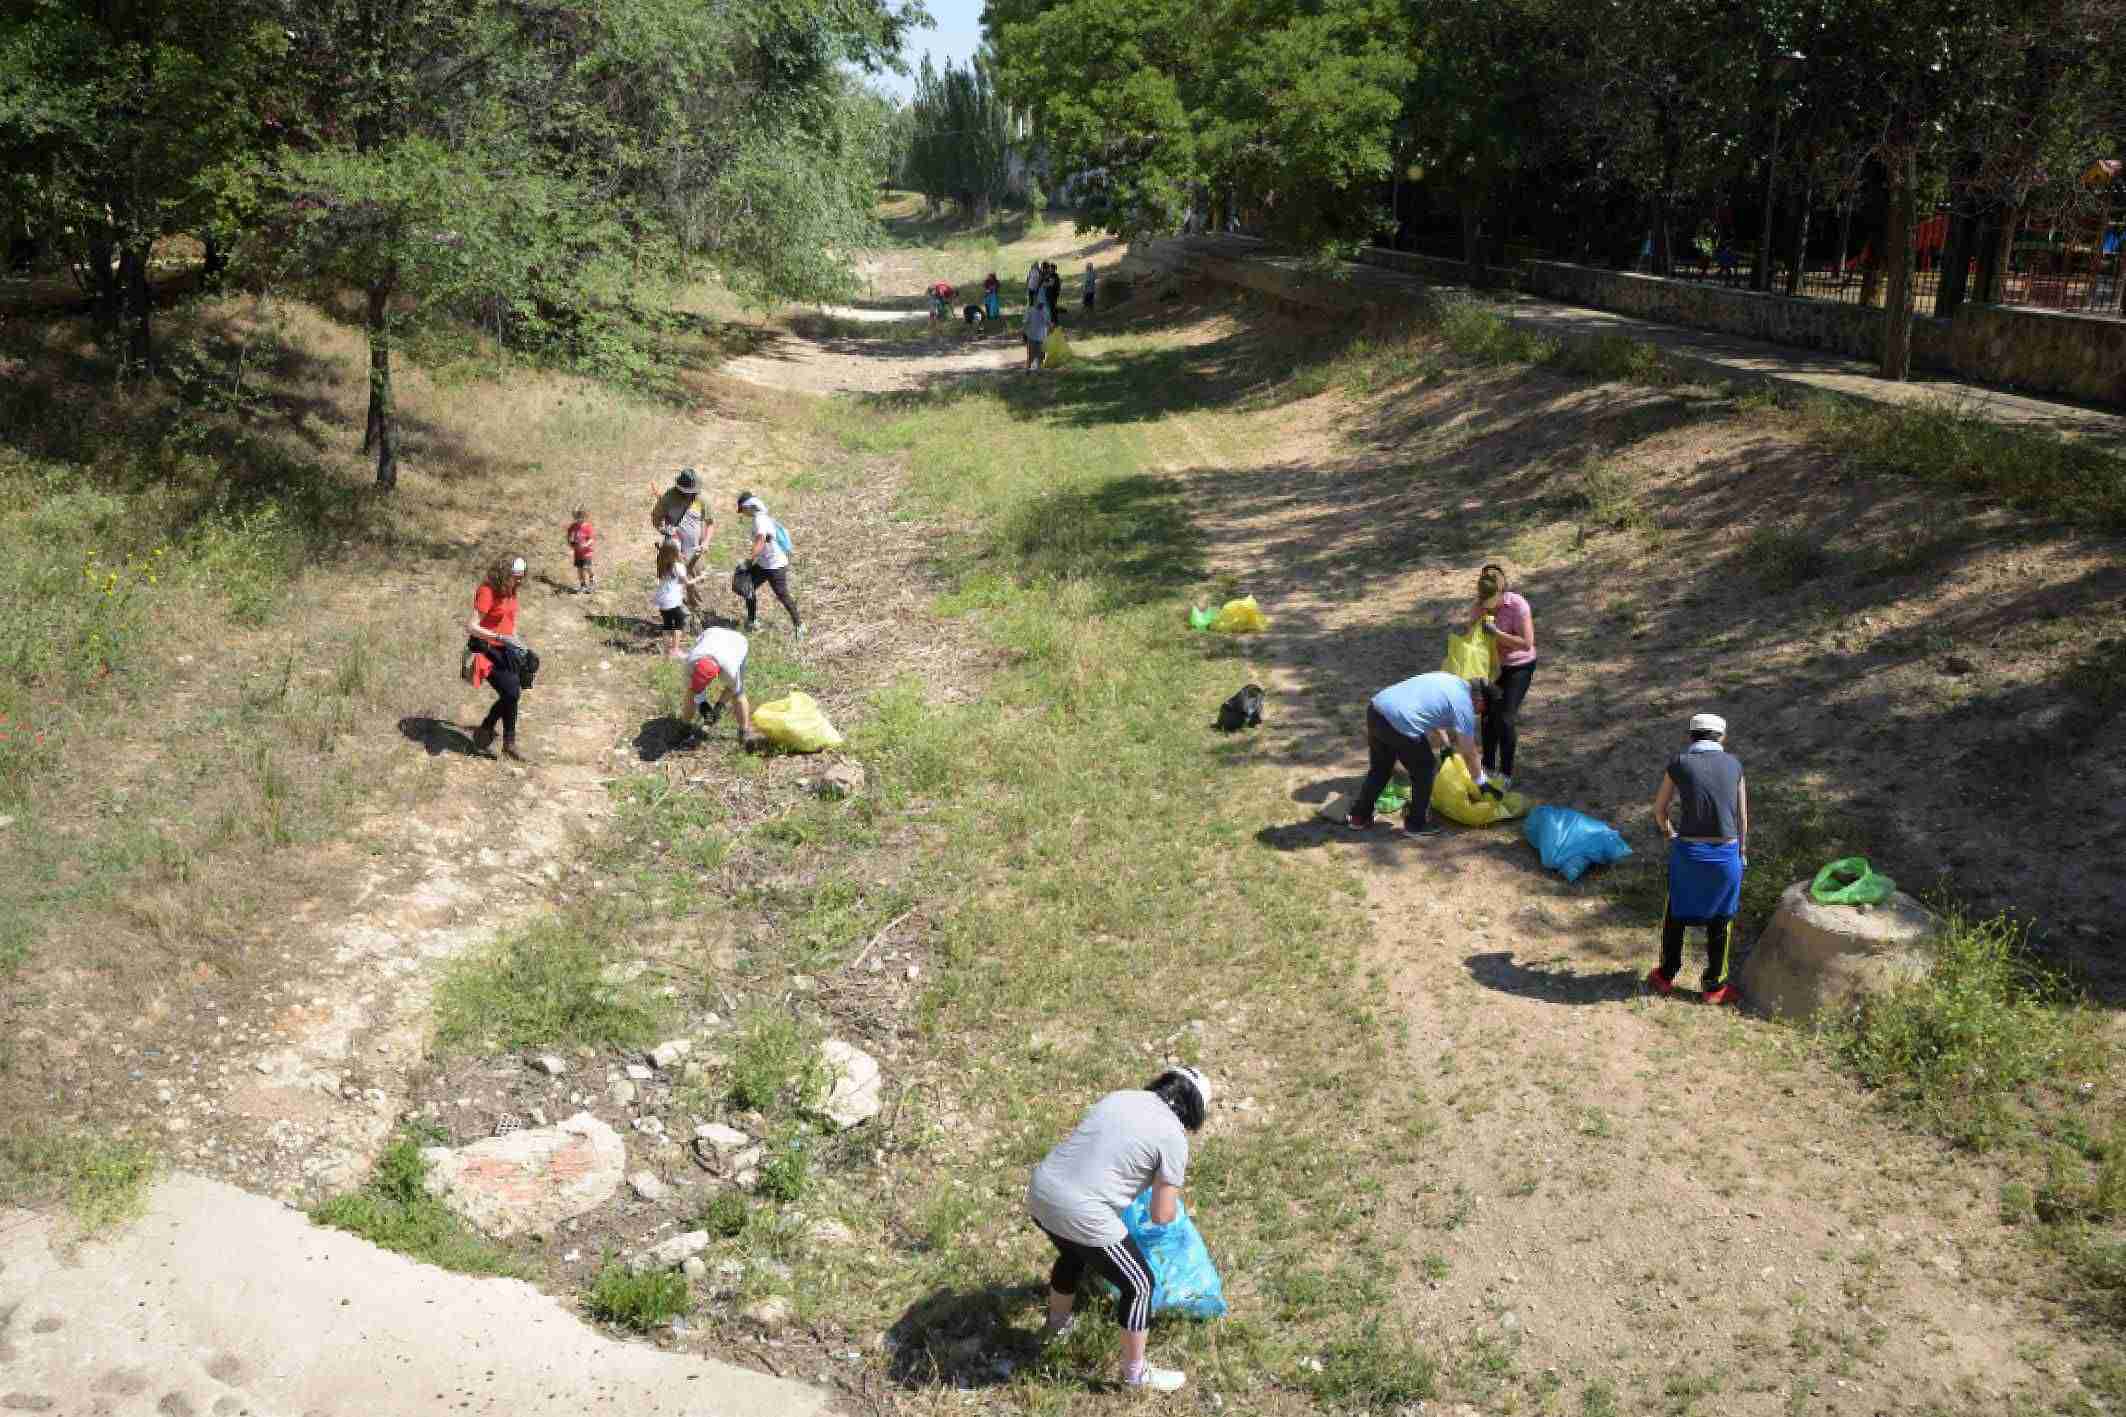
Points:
(1155, 1379)
(1051, 1330)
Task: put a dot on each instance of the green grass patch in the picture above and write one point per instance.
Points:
(542, 986)
(637, 1301)
(1373, 1371)
(1960, 1048)
(773, 1065)
(1784, 558)
(394, 1211)
(103, 1181)
(1956, 445)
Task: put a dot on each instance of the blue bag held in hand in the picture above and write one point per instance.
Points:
(1569, 842)
(1184, 1280)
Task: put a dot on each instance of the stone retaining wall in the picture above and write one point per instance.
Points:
(2032, 351)
(1439, 270)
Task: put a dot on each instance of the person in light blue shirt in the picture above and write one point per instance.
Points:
(1417, 723)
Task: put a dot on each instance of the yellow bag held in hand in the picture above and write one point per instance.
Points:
(796, 723)
(1451, 790)
(1241, 617)
(1473, 656)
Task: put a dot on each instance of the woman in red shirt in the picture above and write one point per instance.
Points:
(492, 632)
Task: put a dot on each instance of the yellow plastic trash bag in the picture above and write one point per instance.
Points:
(1241, 617)
(1451, 790)
(797, 724)
(1473, 656)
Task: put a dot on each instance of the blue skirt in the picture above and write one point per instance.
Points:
(1704, 881)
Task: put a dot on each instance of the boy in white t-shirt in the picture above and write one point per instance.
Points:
(767, 563)
(719, 655)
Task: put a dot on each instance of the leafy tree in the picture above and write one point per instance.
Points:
(127, 120)
(961, 137)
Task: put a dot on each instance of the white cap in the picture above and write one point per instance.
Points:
(1201, 1083)
(516, 567)
(1708, 723)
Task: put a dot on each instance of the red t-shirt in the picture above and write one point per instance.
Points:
(498, 614)
(581, 538)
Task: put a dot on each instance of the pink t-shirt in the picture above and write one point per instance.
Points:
(1514, 617)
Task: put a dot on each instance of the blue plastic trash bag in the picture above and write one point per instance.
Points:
(1569, 842)
(1184, 1281)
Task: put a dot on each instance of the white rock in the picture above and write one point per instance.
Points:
(552, 1064)
(621, 1093)
(626, 972)
(647, 1186)
(745, 1158)
(831, 1233)
(854, 1098)
(639, 1073)
(771, 1314)
(914, 972)
(721, 1137)
(649, 1126)
(694, 1267)
(665, 1054)
(675, 1251)
(529, 1181)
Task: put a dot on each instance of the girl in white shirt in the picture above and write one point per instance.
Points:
(670, 598)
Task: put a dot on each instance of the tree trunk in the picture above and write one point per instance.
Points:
(380, 435)
(1897, 248)
(1798, 249)
(2004, 253)
(1473, 235)
(105, 282)
(138, 303)
(217, 261)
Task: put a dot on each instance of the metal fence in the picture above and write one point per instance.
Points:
(2082, 284)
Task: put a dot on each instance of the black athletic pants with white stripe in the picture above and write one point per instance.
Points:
(1122, 1265)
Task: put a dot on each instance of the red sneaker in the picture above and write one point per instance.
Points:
(1725, 994)
(1660, 983)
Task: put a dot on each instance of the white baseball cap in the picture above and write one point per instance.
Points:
(516, 567)
(1201, 1083)
(1708, 723)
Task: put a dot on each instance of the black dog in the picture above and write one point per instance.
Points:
(1243, 710)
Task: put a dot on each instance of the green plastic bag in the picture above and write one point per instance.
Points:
(1865, 887)
(1201, 619)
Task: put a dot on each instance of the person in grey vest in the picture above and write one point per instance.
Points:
(1125, 1142)
(1703, 808)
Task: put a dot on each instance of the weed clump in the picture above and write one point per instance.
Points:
(725, 1215)
(637, 1301)
(772, 1063)
(1785, 558)
(1374, 1372)
(1958, 1047)
(394, 1210)
(537, 987)
(103, 1180)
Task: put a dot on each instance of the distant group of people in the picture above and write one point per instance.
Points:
(1701, 808)
(1044, 314)
(496, 656)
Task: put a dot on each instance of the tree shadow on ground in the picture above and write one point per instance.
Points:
(964, 1338)
(1499, 970)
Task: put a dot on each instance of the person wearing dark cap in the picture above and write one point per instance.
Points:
(1125, 1142)
(1417, 723)
(681, 513)
(1708, 846)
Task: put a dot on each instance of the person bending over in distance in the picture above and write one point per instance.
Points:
(716, 666)
(1418, 723)
(1708, 847)
(1125, 1142)
(1507, 618)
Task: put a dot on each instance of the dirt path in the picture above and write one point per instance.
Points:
(1665, 1200)
(834, 364)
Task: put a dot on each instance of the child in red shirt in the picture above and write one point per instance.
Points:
(582, 541)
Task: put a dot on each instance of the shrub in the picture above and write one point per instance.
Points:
(772, 1058)
(1957, 1046)
(784, 1174)
(725, 1215)
(540, 986)
(1784, 558)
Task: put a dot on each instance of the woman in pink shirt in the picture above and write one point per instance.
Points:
(1510, 622)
